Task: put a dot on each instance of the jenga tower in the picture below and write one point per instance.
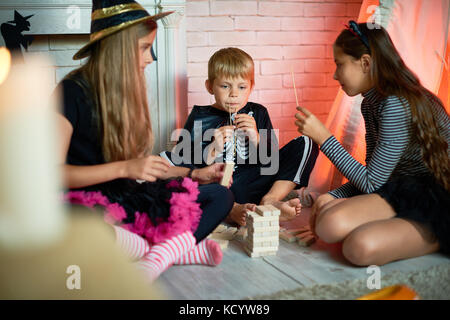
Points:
(263, 227)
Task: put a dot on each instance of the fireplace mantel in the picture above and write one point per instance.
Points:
(165, 79)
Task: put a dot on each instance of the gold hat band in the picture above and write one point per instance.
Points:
(96, 35)
(114, 10)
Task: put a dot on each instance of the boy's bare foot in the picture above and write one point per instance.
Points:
(239, 212)
(289, 209)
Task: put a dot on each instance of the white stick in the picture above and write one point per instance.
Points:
(295, 90)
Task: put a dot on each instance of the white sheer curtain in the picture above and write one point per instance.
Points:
(419, 30)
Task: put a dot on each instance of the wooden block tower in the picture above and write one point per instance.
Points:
(263, 227)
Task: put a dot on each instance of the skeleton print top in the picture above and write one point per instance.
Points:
(202, 122)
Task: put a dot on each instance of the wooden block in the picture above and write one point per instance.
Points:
(298, 230)
(258, 224)
(259, 254)
(304, 235)
(250, 253)
(263, 211)
(306, 242)
(227, 174)
(223, 243)
(274, 223)
(241, 234)
(267, 234)
(252, 213)
(274, 211)
(220, 228)
(256, 229)
(221, 236)
(287, 237)
(232, 231)
(259, 218)
(262, 239)
(264, 249)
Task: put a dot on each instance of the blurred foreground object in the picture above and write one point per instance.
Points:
(46, 253)
(89, 245)
(30, 211)
(397, 292)
(5, 63)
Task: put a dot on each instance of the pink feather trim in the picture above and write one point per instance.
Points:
(185, 212)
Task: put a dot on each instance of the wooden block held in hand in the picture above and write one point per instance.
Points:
(227, 174)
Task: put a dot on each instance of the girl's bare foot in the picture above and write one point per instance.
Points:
(289, 209)
(239, 212)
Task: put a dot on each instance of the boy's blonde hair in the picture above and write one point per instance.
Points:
(231, 63)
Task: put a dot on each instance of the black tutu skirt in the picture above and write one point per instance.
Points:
(423, 200)
(154, 210)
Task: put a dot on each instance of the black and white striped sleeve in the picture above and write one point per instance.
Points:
(393, 136)
(347, 190)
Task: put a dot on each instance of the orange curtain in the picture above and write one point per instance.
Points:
(419, 29)
(444, 89)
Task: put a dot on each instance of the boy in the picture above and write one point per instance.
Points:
(236, 127)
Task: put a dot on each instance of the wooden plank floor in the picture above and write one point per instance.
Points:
(240, 277)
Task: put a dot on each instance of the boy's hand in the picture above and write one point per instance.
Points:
(248, 124)
(222, 135)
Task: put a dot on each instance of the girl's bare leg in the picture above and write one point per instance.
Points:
(337, 219)
(383, 241)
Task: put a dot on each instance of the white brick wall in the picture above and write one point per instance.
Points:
(60, 49)
(280, 36)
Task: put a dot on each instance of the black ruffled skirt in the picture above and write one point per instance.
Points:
(423, 200)
(154, 210)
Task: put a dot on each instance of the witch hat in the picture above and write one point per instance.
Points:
(111, 16)
(19, 19)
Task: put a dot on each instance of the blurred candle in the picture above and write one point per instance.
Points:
(5, 63)
(31, 213)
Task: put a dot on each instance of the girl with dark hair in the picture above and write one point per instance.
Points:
(397, 205)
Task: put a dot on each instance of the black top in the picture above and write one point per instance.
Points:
(204, 118)
(79, 108)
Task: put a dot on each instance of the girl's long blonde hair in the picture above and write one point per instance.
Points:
(391, 76)
(119, 90)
